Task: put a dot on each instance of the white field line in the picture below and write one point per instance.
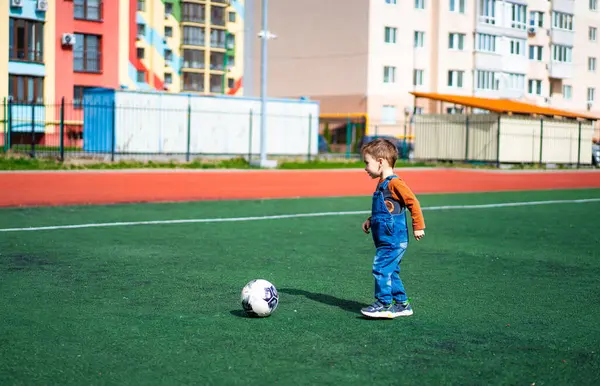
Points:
(295, 215)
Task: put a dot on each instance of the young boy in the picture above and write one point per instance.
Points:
(389, 228)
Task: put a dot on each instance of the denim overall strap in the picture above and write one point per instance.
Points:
(379, 208)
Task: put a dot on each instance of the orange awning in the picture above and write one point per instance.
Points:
(502, 106)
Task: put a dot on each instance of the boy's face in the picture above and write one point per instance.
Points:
(373, 167)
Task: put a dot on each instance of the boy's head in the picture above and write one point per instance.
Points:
(378, 154)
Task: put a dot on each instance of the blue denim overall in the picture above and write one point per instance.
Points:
(390, 235)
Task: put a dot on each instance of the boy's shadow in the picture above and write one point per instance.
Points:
(346, 305)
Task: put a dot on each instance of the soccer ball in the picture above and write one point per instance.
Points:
(259, 298)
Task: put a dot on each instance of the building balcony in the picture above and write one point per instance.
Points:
(26, 55)
(516, 64)
(565, 6)
(492, 26)
(223, 3)
(560, 70)
(490, 61)
(562, 37)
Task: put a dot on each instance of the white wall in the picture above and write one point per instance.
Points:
(158, 123)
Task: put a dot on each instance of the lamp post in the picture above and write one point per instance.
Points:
(265, 35)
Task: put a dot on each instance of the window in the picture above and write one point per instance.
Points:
(456, 41)
(193, 82)
(230, 61)
(591, 64)
(230, 83)
(78, 96)
(455, 78)
(216, 84)
(232, 16)
(87, 9)
(419, 4)
(536, 52)
(592, 34)
(168, 9)
(193, 36)
(486, 43)
(194, 13)
(389, 74)
(388, 114)
(26, 89)
(390, 34)
(515, 81)
(419, 38)
(141, 76)
(87, 53)
(418, 111)
(168, 55)
(193, 59)
(217, 15)
(217, 61)
(141, 5)
(26, 40)
(418, 77)
(457, 6)
(168, 32)
(534, 87)
(567, 91)
(217, 38)
(140, 53)
(487, 11)
(518, 16)
(593, 5)
(390, 1)
(141, 30)
(517, 47)
(591, 93)
(536, 19)
(487, 80)
(168, 78)
(562, 20)
(562, 53)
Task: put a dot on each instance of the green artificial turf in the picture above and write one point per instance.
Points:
(501, 295)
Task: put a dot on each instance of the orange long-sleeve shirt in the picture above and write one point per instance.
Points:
(402, 192)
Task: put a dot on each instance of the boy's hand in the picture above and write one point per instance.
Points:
(366, 226)
(419, 234)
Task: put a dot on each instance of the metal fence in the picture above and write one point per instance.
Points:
(74, 130)
(502, 139)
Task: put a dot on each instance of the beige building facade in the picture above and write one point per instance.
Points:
(366, 56)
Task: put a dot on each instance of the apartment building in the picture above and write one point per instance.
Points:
(358, 56)
(56, 49)
(185, 46)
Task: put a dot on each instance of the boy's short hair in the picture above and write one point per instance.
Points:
(381, 148)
